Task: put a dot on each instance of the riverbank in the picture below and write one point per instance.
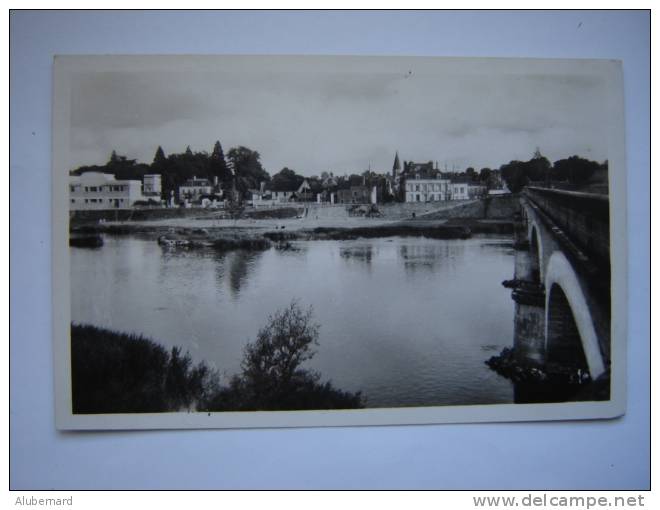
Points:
(280, 231)
(114, 372)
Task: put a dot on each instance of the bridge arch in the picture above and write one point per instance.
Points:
(568, 318)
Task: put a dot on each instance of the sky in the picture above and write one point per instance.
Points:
(341, 118)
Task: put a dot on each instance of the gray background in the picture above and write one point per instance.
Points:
(598, 454)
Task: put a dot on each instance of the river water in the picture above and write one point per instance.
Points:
(407, 321)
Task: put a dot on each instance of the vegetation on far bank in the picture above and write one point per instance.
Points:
(116, 372)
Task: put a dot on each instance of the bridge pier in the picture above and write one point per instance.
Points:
(561, 294)
(529, 317)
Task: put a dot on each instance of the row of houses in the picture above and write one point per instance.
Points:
(415, 182)
(96, 190)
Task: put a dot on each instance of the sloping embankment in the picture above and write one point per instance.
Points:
(501, 207)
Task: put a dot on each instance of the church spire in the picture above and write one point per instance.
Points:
(396, 168)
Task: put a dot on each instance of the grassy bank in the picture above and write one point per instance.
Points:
(120, 373)
(115, 372)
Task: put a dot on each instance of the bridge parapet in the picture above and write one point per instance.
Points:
(584, 219)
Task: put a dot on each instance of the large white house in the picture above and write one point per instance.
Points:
(435, 190)
(96, 190)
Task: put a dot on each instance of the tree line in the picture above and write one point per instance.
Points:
(241, 168)
(574, 170)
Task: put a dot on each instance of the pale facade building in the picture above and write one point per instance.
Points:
(427, 190)
(152, 185)
(435, 190)
(459, 191)
(193, 189)
(96, 190)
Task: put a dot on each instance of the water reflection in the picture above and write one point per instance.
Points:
(402, 319)
(431, 256)
(241, 264)
(359, 253)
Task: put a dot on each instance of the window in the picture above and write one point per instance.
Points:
(73, 200)
(86, 188)
(86, 201)
(72, 188)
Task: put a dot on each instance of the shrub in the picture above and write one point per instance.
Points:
(121, 373)
(272, 376)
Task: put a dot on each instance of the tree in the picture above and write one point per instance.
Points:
(575, 169)
(272, 375)
(218, 164)
(515, 175)
(286, 180)
(247, 167)
(159, 157)
(484, 174)
(538, 168)
(272, 361)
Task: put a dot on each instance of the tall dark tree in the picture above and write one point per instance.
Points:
(538, 168)
(515, 175)
(159, 157)
(218, 164)
(484, 174)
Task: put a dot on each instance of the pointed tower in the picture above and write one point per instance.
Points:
(396, 168)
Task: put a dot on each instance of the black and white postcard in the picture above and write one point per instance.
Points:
(277, 241)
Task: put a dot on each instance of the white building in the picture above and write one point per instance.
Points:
(96, 190)
(435, 190)
(459, 191)
(151, 186)
(194, 188)
(427, 190)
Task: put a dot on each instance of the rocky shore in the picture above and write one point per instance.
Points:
(519, 369)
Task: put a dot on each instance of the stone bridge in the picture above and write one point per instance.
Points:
(561, 284)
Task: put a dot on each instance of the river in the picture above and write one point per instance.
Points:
(407, 321)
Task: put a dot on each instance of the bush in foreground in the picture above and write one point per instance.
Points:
(272, 376)
(121, 373)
